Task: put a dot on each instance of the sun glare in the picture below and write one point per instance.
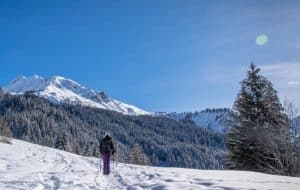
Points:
(261, 39)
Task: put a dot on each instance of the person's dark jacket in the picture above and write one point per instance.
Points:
(106, 145)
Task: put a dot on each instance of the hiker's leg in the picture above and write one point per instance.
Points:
(105, 164)
(106, 169)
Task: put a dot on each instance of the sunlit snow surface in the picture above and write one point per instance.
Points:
(33, 167)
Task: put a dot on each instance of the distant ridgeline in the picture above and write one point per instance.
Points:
(216, 120)
(78, 129)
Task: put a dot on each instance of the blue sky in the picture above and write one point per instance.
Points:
(169, 55)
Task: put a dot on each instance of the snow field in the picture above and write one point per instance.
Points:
(26, 166)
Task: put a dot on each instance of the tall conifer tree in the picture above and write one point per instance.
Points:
(259, 138)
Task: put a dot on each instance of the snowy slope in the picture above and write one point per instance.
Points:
(213, 119)
(33, 167)
(59, 89)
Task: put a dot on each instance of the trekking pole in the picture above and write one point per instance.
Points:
(100, 164)
(113, 160)
(117, 160)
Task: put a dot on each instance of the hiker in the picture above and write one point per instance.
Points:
(106, 149)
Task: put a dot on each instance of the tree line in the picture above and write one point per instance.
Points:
(78, 129)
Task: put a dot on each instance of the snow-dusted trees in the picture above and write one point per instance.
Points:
(77, 129)
(137, 155)
(259, 137)
(292, 111)
(62, 141)
(5, 133)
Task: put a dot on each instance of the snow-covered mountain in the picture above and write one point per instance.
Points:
(59, 89)
(33, 167)
(212, 119)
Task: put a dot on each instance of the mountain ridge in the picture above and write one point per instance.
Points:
(211, 119)
(58, 89)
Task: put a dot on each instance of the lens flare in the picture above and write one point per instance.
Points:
(261, 39)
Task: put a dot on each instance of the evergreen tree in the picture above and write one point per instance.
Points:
(259, 138)
(62, 141)
(137, 156)
(5, 133)
(292, 111)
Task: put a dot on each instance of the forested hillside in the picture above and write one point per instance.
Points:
(78, 129)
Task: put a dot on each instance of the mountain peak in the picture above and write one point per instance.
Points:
(59, 89)
(22, 84)
(36, 76)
